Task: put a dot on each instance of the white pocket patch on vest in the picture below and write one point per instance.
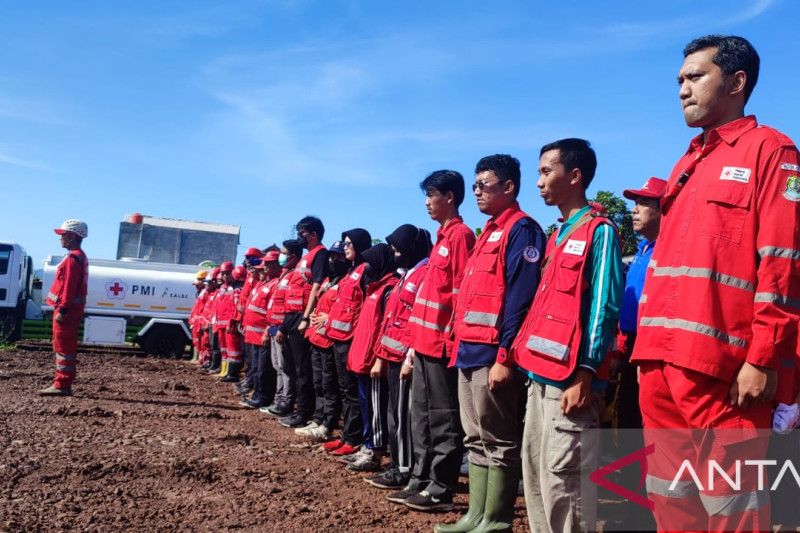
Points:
(740, 174)
(574, 247)
(303, 263)
(495, 236)
(444, 252)
(410, 287)
(790, 167)
(354, 276)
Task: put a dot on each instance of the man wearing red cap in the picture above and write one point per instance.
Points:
(252, 257)
(67, 295)
(646, 222)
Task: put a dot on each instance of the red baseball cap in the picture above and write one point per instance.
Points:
(253, 252)
(270, 256)
(652, 188)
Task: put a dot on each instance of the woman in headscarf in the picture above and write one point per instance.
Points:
(339, 326)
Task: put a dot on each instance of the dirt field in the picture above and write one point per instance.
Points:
(154, 445)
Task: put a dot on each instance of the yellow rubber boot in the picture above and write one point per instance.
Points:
(223, 369)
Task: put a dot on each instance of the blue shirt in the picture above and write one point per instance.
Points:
(633, 287)
(521, 280)
(600, 303)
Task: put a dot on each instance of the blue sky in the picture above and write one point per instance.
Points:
(258, 112)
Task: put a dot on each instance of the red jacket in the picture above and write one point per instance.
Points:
(361, 355)
(70, 285)
(724, 282)
(480, 303)
(254, 320)
(197, 309)
(244, 296)
(394, 339)
(316, 336)
(300, 282)
(276, 307)
(345, 311)
(432, 315)
(549, 340)
(227, 298)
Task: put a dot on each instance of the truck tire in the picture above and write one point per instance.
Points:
(10, 326)
(164, 341)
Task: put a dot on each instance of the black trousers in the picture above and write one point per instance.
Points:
(300, 349)
(398, 418)
(264, 377)
(332, 406)
(352, 425)
(216, 352)
(437, 436)
(319, 392)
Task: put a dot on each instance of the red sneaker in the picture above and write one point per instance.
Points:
(345, 449)
(332, 445)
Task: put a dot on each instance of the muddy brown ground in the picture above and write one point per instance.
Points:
(151, 444)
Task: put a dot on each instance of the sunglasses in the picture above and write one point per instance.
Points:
(481, 185)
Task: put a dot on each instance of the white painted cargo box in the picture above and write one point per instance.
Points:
(104, 330)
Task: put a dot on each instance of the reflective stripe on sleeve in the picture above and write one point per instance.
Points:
(660, 487)
(294, 302)
(694, 327)
(732, 504)
(393, 344)
(771, 297)
(51, 296)
(254, 329)
(776, 251)
(257, 309)
(706, 273)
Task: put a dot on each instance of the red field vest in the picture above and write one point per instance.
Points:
(300, 282)
(548, 343)
(480, 302)
(361, 355)
(197, 308)
(316, 336)
(394, 339)
(254, 319)
(276, 308)
(208, 308)
(343, 316)
(226, 305)
(432, 314)
(244, 296)
(61, 294)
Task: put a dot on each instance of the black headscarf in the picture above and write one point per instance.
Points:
(403, 238)
(422, 246)
(413, 244)
(380, 261)
(361, 240)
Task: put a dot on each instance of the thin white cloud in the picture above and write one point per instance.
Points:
(7, 158)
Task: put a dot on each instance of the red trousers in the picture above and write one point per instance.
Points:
(689, 420)
(233, 346)
(65, 345)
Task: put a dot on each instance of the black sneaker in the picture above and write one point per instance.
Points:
(402, 495)
(294, 421)
(250, 404)
(428, 503)
(279, 410)
(390, 479)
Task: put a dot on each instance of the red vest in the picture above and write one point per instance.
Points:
(316, 336)
(244, 296)
(361, 355)
(208, 308)
(62, 288)
(197, 308)
(344, 313)
(254, 319)
(394, 339)
(432, 314)
(276, 308)
(300, 282)
(548, 343)
(480, 302)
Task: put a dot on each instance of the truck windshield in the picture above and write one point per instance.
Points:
(5, 255)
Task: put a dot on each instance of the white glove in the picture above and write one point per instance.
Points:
(785, 418)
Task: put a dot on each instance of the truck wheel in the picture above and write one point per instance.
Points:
(165, 341)
(9, 327)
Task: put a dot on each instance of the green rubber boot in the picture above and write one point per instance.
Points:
(501, 493)
(477, 500)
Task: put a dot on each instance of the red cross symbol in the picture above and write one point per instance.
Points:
(116, 288)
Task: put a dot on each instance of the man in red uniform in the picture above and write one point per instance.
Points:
(721, 301)
(434, 389)
(67, 295)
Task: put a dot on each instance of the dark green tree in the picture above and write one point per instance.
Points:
(617, 210)
(549, 230)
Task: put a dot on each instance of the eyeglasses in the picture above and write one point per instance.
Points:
(482, 185)
(347, 244)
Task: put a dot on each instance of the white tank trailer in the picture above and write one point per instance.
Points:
(156, 298)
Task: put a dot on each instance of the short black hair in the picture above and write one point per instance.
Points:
(294, 247)
(575, 153)
(311, 225)
(445, 181)
(734, 53)
(504, 166)
(271, 248)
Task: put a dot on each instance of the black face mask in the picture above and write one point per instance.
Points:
(337, 267)
(302, 240)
